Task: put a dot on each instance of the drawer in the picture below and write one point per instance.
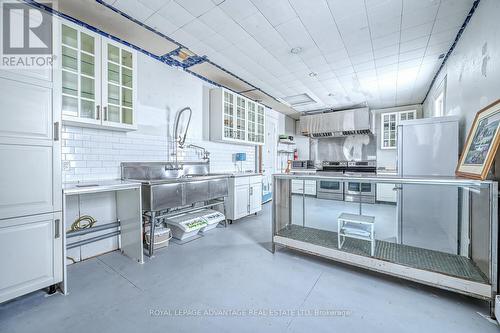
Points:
(255, 179)
(241, 181)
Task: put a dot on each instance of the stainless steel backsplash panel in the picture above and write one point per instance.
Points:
(351, 148)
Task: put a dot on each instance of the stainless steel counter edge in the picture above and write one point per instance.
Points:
(99, 186)
(249, 174)
(429, 180)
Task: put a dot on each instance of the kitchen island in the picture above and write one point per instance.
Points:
(471, 269)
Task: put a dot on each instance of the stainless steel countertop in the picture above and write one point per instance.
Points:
(74, 188)
(244, 174)
(391, 179)
(194, 178)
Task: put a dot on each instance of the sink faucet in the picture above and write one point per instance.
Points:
(180, 138)
(206, 154)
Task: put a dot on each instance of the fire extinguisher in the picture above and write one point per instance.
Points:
(295, 155)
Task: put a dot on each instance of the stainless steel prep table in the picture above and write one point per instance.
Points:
(128, 215)
(474, 274)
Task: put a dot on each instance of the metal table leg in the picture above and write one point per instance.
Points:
(152, 233)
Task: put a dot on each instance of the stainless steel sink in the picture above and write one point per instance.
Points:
(164, 185)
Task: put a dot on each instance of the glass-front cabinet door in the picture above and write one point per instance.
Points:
(228, 115)
(388, 129)
(252, 119)
(119, 85)
(241, 118)
(260, 124)
(80, 75)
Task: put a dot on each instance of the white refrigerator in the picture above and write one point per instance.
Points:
(428, 214)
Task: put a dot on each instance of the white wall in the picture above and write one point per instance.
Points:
(162, 91)
(473, 70)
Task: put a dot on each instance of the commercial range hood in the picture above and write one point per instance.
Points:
(336, 123)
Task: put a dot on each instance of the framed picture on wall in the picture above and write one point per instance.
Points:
(482, 143)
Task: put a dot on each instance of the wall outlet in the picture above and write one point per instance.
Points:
(66, 165)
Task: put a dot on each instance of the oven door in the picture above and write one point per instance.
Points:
(354, 188)
(330, 186)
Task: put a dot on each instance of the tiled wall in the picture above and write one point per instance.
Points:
(93, 154)
(96, 154)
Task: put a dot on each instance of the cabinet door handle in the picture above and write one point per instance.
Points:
(56, 131)
(98, 112)
(251, 190)
(57, 233)
(105, 113)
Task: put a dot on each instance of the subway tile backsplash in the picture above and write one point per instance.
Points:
(95, 154)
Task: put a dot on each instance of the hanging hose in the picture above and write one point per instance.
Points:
(89, 222)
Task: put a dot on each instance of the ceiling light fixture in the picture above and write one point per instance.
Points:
(296, 50)
(313, 74)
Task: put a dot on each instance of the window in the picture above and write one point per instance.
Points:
(439, 105)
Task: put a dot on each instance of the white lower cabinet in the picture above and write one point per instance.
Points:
(245, 196)
(240, 202)
(299, 185)
(31, 254)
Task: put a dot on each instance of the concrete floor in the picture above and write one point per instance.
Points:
(232, 269)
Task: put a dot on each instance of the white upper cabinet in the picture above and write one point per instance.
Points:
(389, 125)
(236, 119)
(98, 80)
(119, 94)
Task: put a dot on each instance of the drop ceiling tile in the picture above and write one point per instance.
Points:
(442, 37)
(198, 29)
(255, 24)
(391, 60)
(342, 72)
(410, 64)
(439, 48)
(342, 9)
(134, 8)
(184, 37)
(353, 24)
(392, 50)
(155, 5)
(340, 64)
(337, 55)
(233, 32)
(380, 9)
(217, 42)
(455, 8)
(414, 44)
(446, 23)
(196, 7)
(411, 55)
(238, 9)
(161, 24)
(216, 19)
(385, 41)
(369, 65)
(385, 27)
(418, 16)
(175, 14)
(361, 58)
(416, 32)
(276, 11)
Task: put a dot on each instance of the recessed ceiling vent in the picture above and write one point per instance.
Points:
(299, 100)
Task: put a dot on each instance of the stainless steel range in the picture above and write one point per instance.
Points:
(348, 191)
(331, 189)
